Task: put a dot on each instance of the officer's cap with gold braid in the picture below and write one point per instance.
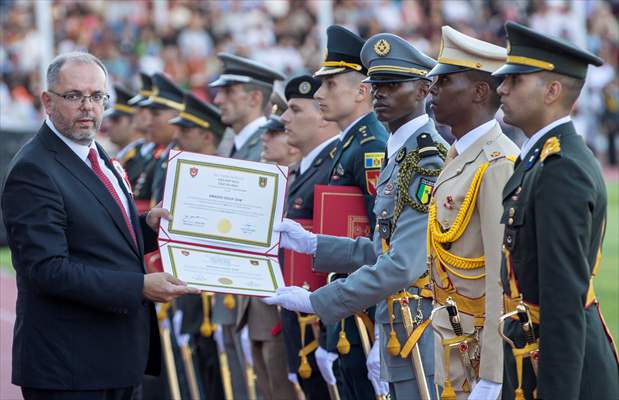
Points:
(165, 95)
(120, 107)
(530, 51)
(460, 52)
(243, 70)
(343, 50)
(145, 91)
(302, 87)
(389, 58)
(197, 113)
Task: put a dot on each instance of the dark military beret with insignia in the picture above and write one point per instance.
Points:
(145, 90)
(530, 51)
(343, 52)
(302, 87)
(389, 58)
(165, 94)
(197, 113)
(243, 70)
(121, 105)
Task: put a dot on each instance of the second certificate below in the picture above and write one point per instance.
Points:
(223, 202)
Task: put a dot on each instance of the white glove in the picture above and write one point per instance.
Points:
(292, 298)
(485, 390)
(177, 321)
(381, 388)
(325, 361)
(218, 336)
(295, 237)
(292, 377)
(373, 362)
(246, 345)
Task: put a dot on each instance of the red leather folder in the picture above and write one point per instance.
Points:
(340, 211)
(298, 267)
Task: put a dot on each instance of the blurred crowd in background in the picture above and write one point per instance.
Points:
(183, 40)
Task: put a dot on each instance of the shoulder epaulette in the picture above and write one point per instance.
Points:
(367, 139)
(551, 146)
(348, 142)
(426, 146)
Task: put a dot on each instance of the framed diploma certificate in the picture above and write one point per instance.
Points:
(221, 238)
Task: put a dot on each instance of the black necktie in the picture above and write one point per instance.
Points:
(233, 151)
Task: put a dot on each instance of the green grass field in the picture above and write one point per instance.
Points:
(606, 283)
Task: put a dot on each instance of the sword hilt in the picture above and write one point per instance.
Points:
(454, 317)
(525, 322)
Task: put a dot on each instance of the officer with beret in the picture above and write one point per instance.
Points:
(245, 88)
(386, 265)
(316, 140)
(554, 211)
(465, 253)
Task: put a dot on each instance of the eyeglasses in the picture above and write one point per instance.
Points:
(78, 98)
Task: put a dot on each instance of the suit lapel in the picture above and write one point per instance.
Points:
(76, 167)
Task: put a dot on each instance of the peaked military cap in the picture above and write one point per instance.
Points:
(302, 86)
(274, 123)
(530, 51)
(460, 52)
(389, 58)
(243, 70)
(145, 91)
(343, 52)
(165, 94)
(197, 113)
(121, 106)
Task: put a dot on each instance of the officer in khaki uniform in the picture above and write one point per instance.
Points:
(554, 211)
(464, 231)
(396, 257)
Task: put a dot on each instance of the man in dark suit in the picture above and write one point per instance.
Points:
(85, 325)
(554, 211)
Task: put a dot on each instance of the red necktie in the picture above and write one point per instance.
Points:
(92, 156)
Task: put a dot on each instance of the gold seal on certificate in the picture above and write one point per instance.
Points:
(221, 238)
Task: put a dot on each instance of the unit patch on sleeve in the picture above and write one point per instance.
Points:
(424, 190)
(371, 180)
(374, 160)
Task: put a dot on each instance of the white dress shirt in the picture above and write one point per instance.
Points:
(400, 136)
(82, 152)
(307, 161)
(529, 143)
(248, 130)
(471, 136)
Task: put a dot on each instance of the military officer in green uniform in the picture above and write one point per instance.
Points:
(119, 122)
(199, 130)
(554, 215)
(396, 257)
(316, 139)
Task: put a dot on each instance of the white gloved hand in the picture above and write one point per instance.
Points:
(218, 336)
(292, 298)
(177, 321)
(246, 345)
(325, 361)
(373, 362)
(295, 237)
(293, 378)
(381, 388)
(485, 390)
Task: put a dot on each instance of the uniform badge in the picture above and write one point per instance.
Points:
(400, 156)
(424, 190)
(373, 160)
(388, 188)
(371, 179)
(382, 48)
(123, 174)
(305, 87)
(449, 203)
(531, 161)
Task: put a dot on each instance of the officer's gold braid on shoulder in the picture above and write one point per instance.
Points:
(408, 166)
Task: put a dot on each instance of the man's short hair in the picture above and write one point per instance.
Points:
(78, 57)
(265, 90)
(493, 83)
(571, 87)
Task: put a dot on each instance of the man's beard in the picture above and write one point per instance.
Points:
(82, 136)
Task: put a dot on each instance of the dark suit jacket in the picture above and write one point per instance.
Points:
(554, 213)
(81, 321)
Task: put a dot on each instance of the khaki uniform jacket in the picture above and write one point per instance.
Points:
(482, 236)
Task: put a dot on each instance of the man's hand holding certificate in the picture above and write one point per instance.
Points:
(221, 237)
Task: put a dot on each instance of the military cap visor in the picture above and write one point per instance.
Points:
(242, 70)
(120, 107)
(530, 51)
(389, 78)
(165, 95)
(445, 69)
(145, 91)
